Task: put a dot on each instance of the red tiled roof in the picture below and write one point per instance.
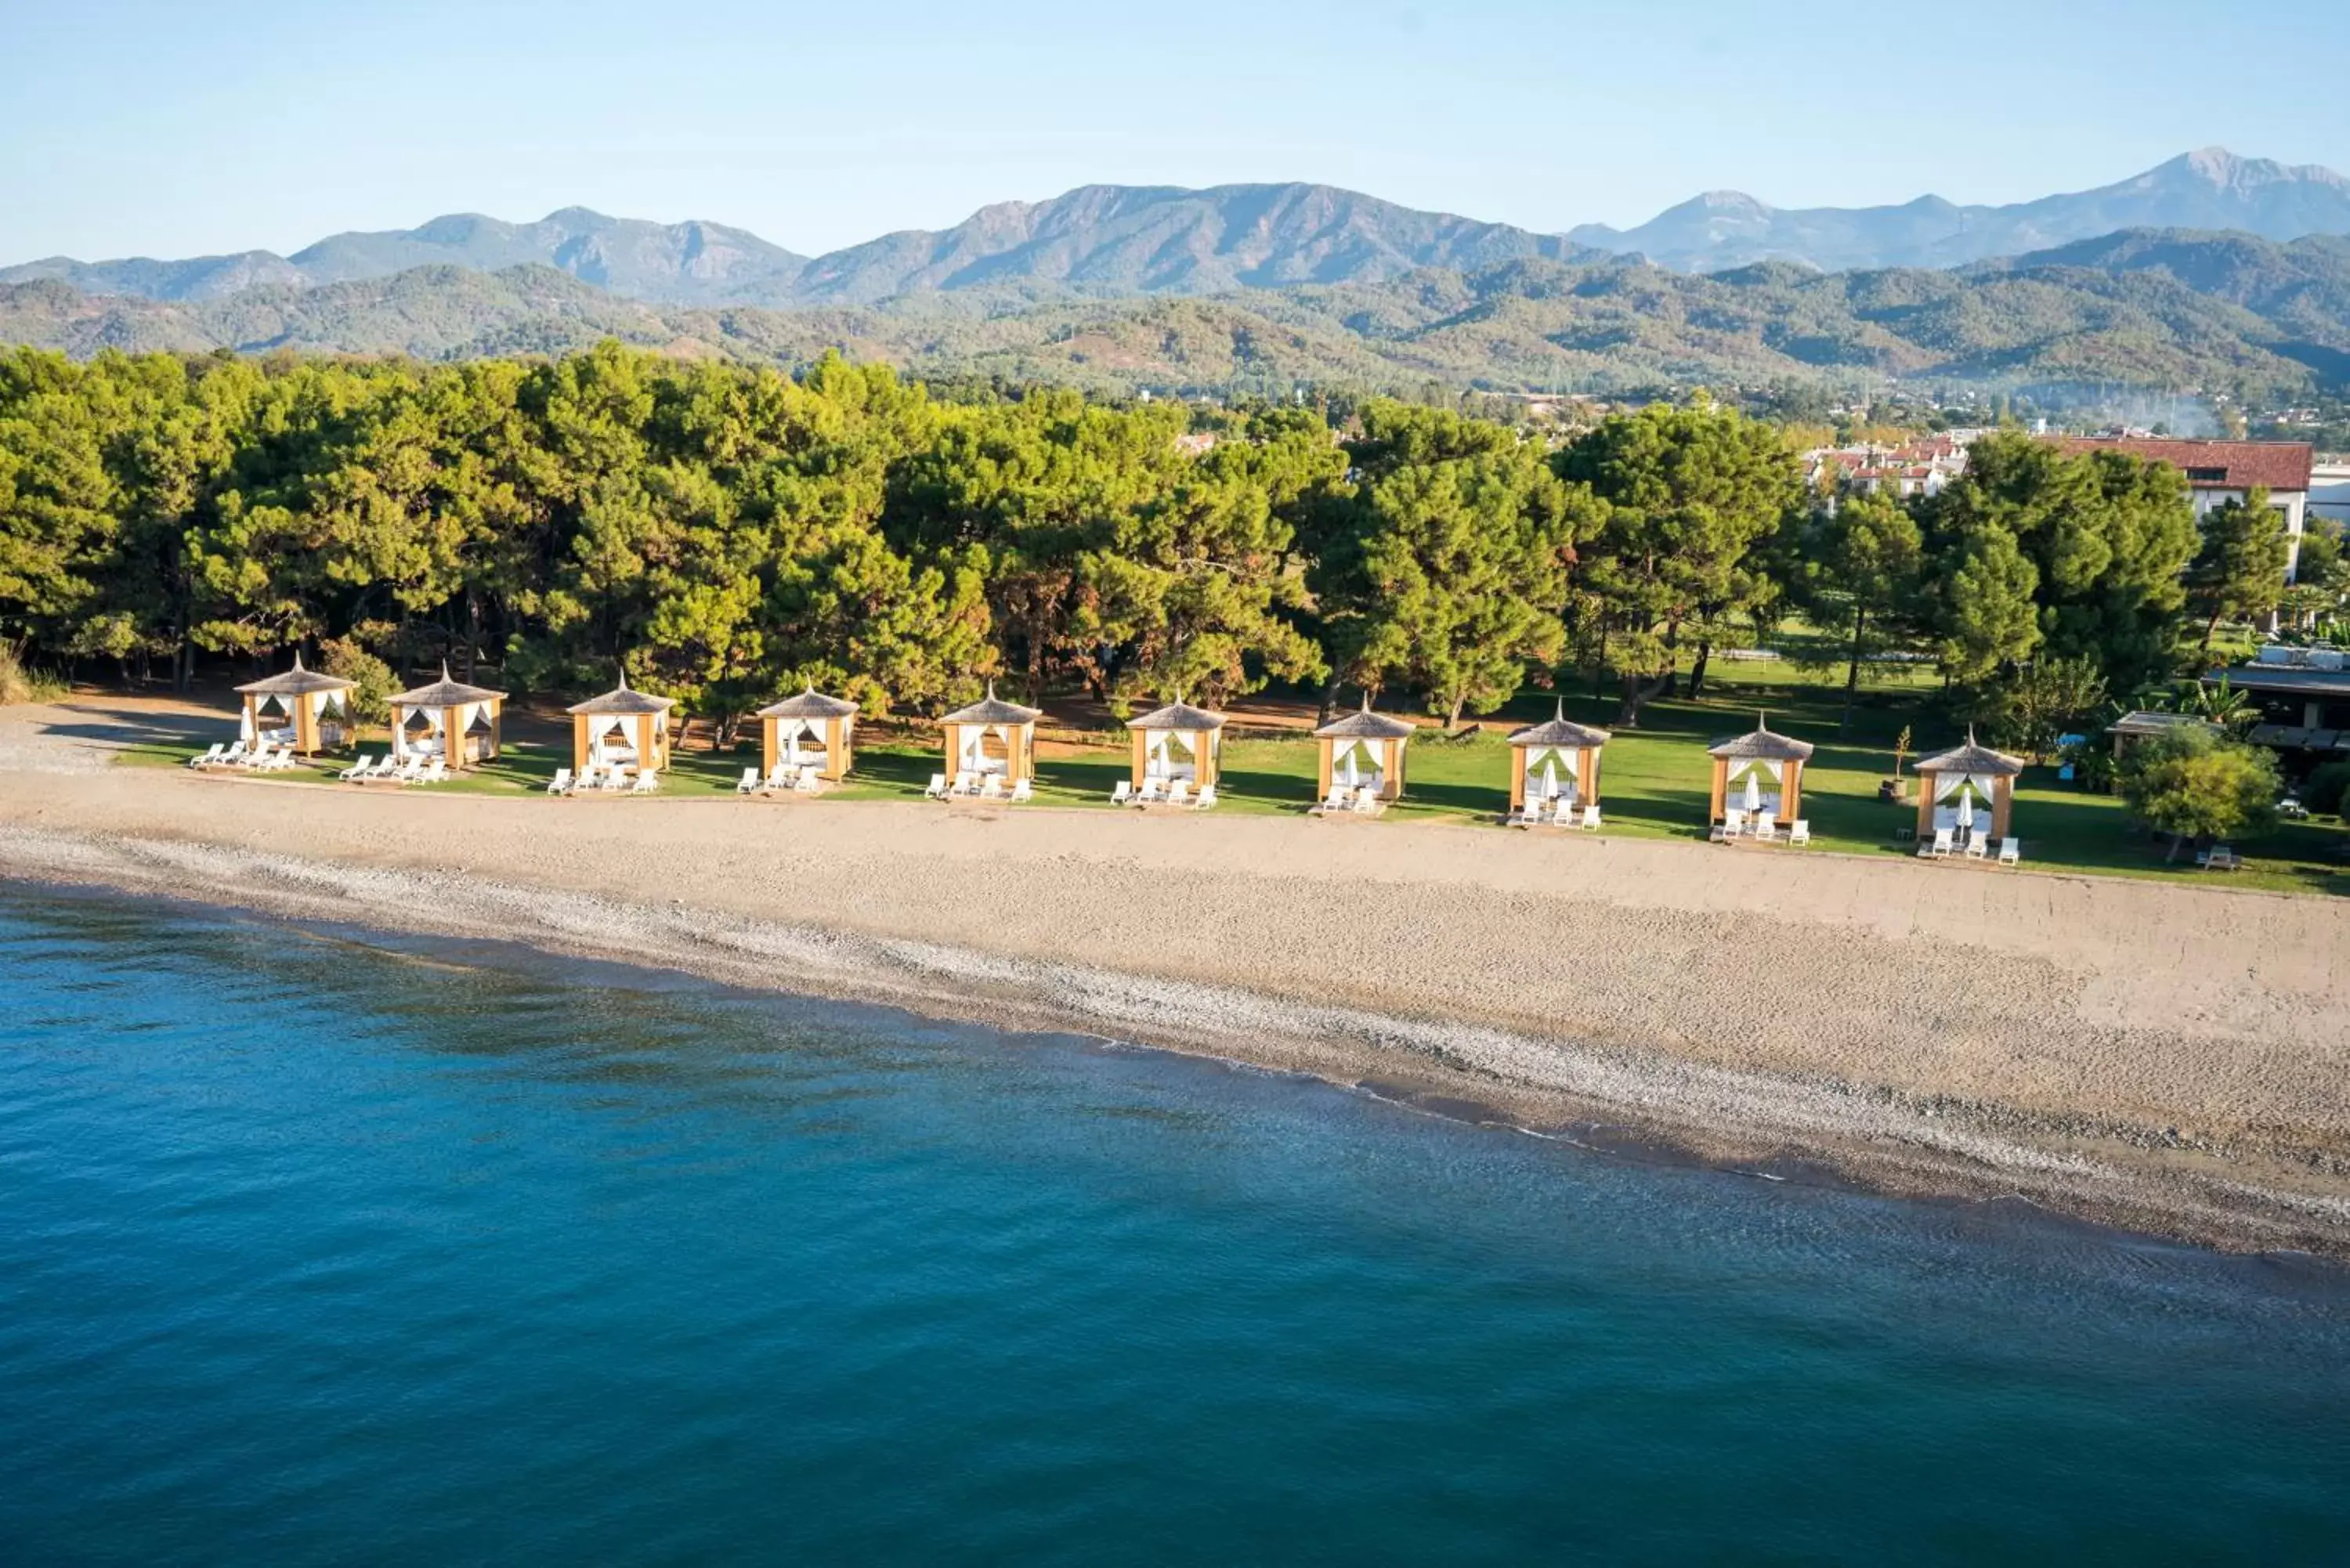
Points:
(2270, 464)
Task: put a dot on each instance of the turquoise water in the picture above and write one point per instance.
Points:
(320, 1250)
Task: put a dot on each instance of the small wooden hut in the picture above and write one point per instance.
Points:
(1557, 758)
(623, 728)
(1953, 784)
(1743, 762)
(450, 720)
(992, 736)
(1363, 748)
(808, 728)
(314, 710)
(1177, 741)
(2142, 724)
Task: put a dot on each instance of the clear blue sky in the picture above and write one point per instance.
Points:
(176, 129)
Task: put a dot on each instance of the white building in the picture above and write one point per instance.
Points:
(2219, 472)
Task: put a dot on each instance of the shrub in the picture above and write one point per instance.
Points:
(2191, 784)
(19, 684)
(372, 681)
(2326, 788)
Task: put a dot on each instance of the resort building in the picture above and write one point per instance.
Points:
(2305, 698)
(992, 739)
(1758, 774)
(2220, 471)
(621, 729)
(312, 709)
(2141, 724)
(450, 720)
(1177, 741)
(1364, 750)
(1955, 786)
(1556, 760)
(810, 730)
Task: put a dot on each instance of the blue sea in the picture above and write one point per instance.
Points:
(324, 1248)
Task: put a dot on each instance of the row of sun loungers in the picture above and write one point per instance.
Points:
(1944, 846)
(388, 769)
(1762, 827)
(979, 787)
(614, 779)
(1560, 812)
(808, 778)
(262, 757)
(1164, 791)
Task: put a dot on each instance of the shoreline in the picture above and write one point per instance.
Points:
(1618, 1093)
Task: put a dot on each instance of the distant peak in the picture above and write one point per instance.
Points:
(1730, 202)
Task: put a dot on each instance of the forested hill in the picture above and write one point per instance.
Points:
(2159, 308)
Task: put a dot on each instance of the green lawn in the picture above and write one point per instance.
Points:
(1654, 781)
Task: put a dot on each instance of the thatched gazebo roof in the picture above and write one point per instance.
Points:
(444, 693)
(1178, 715)
(809, 704)
(1560, 730)
(992, 709)
(1365, 725)
(294, 682)
(1970, 758)
(621, 698)
(1763, 744)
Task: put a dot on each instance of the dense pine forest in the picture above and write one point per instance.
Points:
(726, 534)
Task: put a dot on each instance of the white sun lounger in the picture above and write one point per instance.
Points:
(750, 781)
(1180, 792)
(965, 783)
(561, 783)
(1148, 793)
(992, 787)
(1939, 849)
(1207, 798)
(1336, 800)
(358, 770)
(808, 780)
(617, 780)
(647, 781)
(1366, 800)
(206, 759)
(435, 772)
(1022, 791)
(1978, 846)
(1122, 792)
(1590, 819)
(937, 789)
(2010, 852)
(1800, 831)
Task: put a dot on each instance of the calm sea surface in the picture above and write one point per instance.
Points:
(318, 1250)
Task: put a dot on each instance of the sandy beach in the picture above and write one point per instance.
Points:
(2164, 1057)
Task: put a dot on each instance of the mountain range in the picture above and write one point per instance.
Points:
(2164, 309)
(1105, 241)
(1126, 288)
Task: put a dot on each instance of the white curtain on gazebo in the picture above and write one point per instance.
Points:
(789, 731)
(974, 758)
(1980, 785)
(1159, 755)
(601, 727)
(425, 744)
(1345, 768)
(1553, 771)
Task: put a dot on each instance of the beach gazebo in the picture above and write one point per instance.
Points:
(623, 727)
(450, 720)
(1953, 785)
(992, 736)
(1743, 764)
(1364, 748)
(1556, 758)
(304, 700)
(808, 728)
(1177, 741)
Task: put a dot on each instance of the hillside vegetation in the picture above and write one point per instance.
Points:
(2158, 308)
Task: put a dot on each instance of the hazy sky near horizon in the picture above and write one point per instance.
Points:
(159, 127)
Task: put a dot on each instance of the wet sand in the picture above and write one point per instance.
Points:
(2169, 1058)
